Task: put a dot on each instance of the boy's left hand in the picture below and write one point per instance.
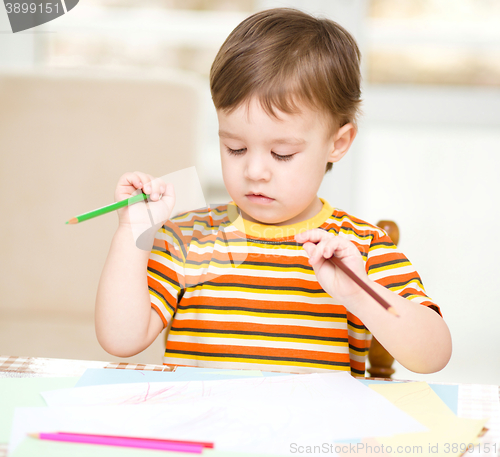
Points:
(320, 247)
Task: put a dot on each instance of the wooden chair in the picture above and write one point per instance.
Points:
(380, 360)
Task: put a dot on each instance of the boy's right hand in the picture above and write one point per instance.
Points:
(161, 200)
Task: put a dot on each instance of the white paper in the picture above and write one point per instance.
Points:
(261, 415)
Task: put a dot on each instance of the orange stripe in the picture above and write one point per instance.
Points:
(240, 326)
(265, 305)
(358, 365)
(397, 279)
(266, 281)
(361, 344)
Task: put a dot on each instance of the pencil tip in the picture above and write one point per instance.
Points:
(73, 220)
(393, 311)
(34, 435)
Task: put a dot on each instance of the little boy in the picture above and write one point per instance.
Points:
(250, 284)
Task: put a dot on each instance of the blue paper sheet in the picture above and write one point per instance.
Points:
(100, 376)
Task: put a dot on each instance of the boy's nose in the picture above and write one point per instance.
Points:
(256, 169)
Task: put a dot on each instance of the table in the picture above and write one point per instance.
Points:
(28, 367)
(475, 401)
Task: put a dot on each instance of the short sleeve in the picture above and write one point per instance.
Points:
(165, 271)
(390, 268)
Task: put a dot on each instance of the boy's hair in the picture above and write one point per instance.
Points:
(286, 57)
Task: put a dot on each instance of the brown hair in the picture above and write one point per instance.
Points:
(284, 57)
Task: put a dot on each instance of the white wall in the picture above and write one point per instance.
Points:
(19, 49)
(429, 158)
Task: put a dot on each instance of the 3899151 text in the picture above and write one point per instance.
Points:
(32, 8)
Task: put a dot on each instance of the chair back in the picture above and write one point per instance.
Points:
(380, 360)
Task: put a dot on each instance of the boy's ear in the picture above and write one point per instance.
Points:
(341, 141)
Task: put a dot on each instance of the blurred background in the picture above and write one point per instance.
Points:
(122, 85)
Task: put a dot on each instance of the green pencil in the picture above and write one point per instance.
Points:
(107, 209)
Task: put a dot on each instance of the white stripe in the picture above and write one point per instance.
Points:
(362, 335)
(200, 250)
(391, 272)
(187, 232)
(164, 311)
(363, 240)
(379, 252)
(190, 216)
(261, 295)
(168, 238)
(169, 288)
(251, 272)
(222, 247)
(270, 344)
(358, 358)
(162, 258)
(263, 251)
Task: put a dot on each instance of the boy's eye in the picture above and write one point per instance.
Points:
(239, 152)
(236, 152)
(282, 157)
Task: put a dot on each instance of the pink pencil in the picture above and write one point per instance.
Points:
(162, 440)
(121, 441)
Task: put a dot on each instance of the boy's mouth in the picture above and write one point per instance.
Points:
(258, 197)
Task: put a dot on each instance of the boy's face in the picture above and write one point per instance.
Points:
(272, 168)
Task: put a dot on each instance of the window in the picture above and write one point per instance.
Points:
(452, 42)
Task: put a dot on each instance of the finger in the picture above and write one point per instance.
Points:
(314, 251)
(167, 195)
(153, 187)
(130, 179)
(314, 236)
(336, 246)
(168, 191)
(324, 244)
(157, 187)
(314, 260)
(321, 251)
(147, 182)
(161, 210)
(328, 250)
(138, 179)
(309, 248)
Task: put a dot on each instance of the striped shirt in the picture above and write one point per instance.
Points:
(241, 295)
